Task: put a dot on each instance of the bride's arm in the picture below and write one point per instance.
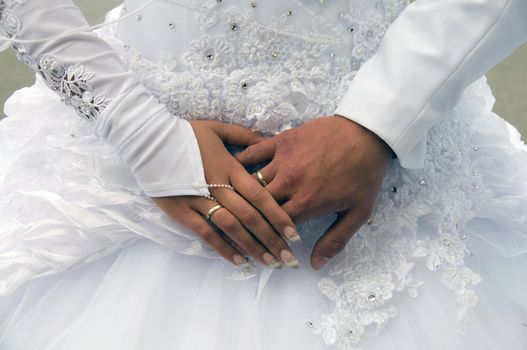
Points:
(88, 74)
(170, 158)
(431, 53)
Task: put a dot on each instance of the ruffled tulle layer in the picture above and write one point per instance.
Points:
(147, 297)
(442, 266)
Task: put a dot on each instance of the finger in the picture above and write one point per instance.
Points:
(253, 192)
(257, 153)
(267, 173)
(236, 135)
(253, 221)
(234, 229)
(296, 211)
(336, 238)
(209, 235)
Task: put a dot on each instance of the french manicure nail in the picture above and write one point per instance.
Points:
(291, 234)
(271, 261)
(289, 259)
(241, 261)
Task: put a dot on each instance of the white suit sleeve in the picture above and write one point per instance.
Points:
(160, 150)
(429, 55)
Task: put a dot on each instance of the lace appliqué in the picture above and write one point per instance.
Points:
(268, 77)
(72, 86)
(264, 78)
(406, 234)
(70, 83)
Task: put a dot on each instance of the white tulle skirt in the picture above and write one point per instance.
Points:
(88, 262)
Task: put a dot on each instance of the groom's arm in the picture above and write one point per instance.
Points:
(426, 60)
(430, 54)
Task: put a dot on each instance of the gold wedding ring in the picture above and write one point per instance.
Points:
(212, 211)
(261, 178)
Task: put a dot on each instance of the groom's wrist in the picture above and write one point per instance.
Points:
(376, 138)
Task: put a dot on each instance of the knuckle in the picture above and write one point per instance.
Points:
(294, 210)
(273, 243)
(337, 244)
(249, 216)
(226, 221)
(204, 231)
(305, 199)
(249, 153)
(290, 176)
(257, 194)
(230, 224)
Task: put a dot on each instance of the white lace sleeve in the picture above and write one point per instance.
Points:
(160, 150)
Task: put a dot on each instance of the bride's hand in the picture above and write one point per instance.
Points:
(249, 216)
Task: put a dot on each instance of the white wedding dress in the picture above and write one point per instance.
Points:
(87, 261)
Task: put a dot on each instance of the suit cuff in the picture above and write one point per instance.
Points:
(387, 114)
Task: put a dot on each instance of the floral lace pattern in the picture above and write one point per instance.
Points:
(269, 80)
(407, 231)
(270, 76)
(274, 77)
(70, 83)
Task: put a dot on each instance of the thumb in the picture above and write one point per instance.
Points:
(236, 135)
(336, 238)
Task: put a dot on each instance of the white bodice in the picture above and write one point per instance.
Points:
(268, 65)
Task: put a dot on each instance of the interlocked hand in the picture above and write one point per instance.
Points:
(328, 165)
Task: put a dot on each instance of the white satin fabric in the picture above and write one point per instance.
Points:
(441, 265)
(161, 151)
(60, 211)
(428, 57)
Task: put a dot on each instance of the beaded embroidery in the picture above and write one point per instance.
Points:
(70, 83)
(272, 80)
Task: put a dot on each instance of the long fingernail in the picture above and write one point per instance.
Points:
(241, 262)
(291, 234)
(320, 262)
(271, 261)
(289, 259)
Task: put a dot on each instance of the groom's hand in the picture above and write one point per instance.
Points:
(329, 165)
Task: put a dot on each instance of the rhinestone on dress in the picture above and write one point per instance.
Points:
(209, 54)
(139, 17)
(372, 297)
(253, 4)
(234, 26)
(244, 85)
(172, 25)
